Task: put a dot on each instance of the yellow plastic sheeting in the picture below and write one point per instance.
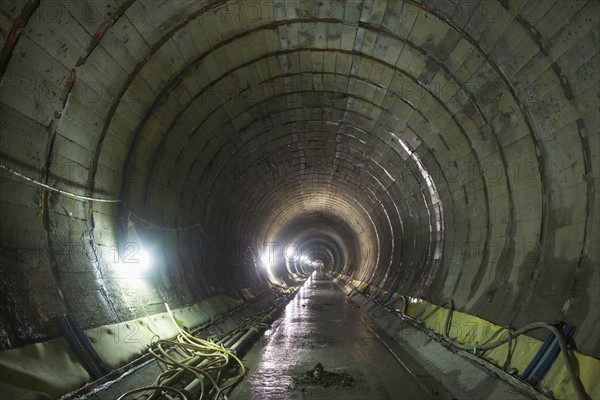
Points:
(118, 344)
(468, 329)
(49, 367)
(205, 311)
(359, 285)
(474, 331)
(12, 392)
(557, 379)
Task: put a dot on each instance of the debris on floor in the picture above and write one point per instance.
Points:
(319, 376)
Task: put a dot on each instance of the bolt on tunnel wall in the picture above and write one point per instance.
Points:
(441, 150)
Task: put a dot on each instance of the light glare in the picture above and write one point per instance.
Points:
(134, 265)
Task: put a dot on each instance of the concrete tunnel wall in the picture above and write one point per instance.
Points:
(450, 149)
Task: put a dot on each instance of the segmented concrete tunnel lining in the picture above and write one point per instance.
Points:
(441, 150)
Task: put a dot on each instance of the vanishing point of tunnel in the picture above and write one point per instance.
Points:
(299, 199)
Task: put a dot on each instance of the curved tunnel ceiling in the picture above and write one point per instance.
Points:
(448, 150)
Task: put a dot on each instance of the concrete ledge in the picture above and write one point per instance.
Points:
(461, 373)
(471, 329)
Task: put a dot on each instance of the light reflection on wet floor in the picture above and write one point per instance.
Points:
(320, 325)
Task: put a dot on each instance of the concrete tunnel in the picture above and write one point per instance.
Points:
(360, 199)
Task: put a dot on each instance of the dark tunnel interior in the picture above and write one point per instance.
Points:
(430, 149)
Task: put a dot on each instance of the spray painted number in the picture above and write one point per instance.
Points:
(129, 252)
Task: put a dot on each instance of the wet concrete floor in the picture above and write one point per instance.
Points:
(320, 325)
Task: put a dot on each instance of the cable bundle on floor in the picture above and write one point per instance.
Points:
(204, 366)
(195, 368)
